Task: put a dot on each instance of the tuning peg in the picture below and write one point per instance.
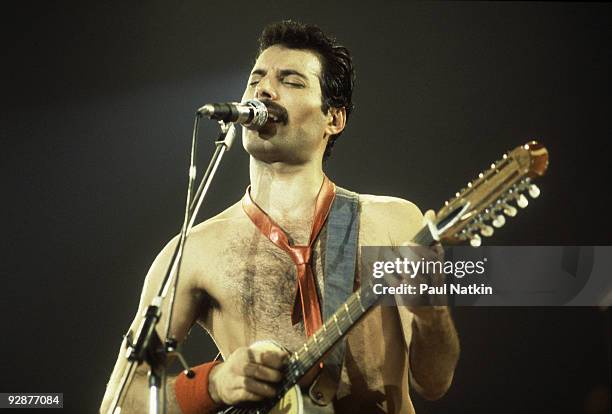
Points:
(522, 201)
(485, 229)
(534, 191)
(499, 221)
(475, 240)
(509, 210)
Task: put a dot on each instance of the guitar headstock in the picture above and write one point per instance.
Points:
(488, 199)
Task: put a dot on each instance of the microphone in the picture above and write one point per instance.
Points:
(253, 114)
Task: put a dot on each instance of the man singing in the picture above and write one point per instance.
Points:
(261, 269)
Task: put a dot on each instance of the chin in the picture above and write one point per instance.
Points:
(269, 151)
(260, 146)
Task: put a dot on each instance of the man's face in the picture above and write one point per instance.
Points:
(288, 81)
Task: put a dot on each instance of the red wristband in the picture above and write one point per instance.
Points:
(192, 393)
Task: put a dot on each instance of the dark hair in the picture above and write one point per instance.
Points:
(337, 75)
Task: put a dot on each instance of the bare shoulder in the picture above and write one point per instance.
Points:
(385, 205)
(216, 225)
(212, 233)
(387, 219)
(205, 240)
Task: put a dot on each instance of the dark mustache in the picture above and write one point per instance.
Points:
(277, 110)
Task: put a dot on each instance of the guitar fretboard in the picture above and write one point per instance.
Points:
(336, 327)
(330, 333)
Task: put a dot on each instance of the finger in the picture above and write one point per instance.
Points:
(262, 372)
(438, 251)
(240, 358)
(268, 354)
(432, 252)
(258, 388)
(273, 358)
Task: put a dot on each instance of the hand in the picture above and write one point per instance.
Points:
(424, 305)
(436, 250)
(249, 374)
(428, 315)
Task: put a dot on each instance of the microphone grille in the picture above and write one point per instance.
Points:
(260, 114)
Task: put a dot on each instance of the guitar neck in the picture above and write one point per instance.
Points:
(338, 325)
(423, 237)
(331, 332)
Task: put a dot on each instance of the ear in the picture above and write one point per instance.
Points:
(336, 121)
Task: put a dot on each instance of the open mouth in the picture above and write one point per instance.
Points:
(273, 118)
(276, 113)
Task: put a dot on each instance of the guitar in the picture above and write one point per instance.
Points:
(474, 211)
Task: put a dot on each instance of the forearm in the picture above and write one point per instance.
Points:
(137, 397)
(135, 400)
(434, 351)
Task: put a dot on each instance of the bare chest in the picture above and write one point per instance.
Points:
(254, 287)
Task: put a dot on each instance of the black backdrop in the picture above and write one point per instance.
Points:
(97, 104)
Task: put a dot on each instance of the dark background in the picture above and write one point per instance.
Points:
(97, 110)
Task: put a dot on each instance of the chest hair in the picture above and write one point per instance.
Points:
(263, 282)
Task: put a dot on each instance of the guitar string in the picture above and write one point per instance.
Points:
(337, 325)
(341, 320)
(297, 366)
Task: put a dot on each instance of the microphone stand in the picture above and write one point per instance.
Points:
(148, 346)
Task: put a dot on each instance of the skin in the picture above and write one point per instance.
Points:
(240, 287)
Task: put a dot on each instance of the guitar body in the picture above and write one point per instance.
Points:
(291, 403)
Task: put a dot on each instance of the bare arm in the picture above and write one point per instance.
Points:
(187, 304)
(248, 373)
(434, 350)
(429, 333)
(434, 345)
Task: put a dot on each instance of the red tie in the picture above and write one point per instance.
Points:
(306, 290)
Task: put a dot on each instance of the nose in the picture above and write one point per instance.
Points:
(265, 89)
